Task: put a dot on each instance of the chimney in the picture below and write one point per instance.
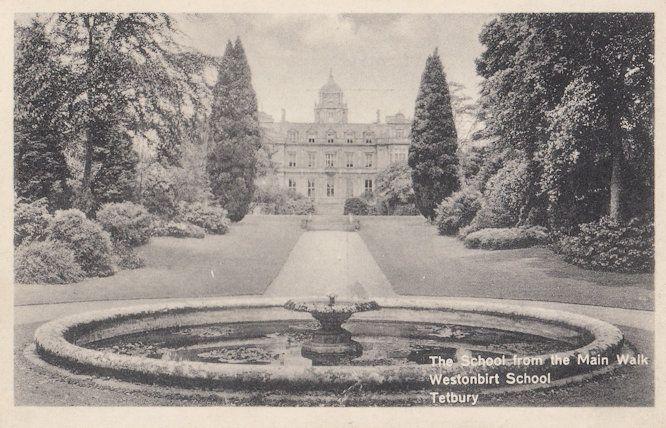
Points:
(284, 116)
(378, 118)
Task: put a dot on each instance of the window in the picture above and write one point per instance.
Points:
(292, 159)
(368, 160)
(330, 137)
(399, 133)
(330, 160)
(330, 189)
(350, 160)
(312, 137)
(292, 184)
(311, 159)
(368, 186)
(311, 188)
(292, 136)
(349, 137)
(350, 188)
(368, 137)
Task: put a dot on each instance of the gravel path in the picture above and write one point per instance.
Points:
(330, 262)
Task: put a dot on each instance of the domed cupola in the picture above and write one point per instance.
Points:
(330, 108)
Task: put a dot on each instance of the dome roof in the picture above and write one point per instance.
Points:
(331, 86)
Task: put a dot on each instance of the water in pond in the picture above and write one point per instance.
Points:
(279, 343)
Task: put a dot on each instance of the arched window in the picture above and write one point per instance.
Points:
(368, 137)
(349, 137)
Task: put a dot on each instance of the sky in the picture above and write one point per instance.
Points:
(377, 59)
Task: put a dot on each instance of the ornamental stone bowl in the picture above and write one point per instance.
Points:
(245, 345)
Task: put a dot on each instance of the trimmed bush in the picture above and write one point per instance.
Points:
(506, 238)
(31, 220)
(275, 200)
(458, 210)
(610, 246)
(158, 193)
(89, 242)
(126, 257)
(46, 262)
(211, 218)
(356, 206)
(126, 222)
(177, 230)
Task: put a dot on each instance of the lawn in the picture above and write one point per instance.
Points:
(244, 261)
(418, 261)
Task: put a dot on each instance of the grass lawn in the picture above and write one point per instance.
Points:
(418, 261)
(244, 261)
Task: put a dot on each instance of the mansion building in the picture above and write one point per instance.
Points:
(330, 159)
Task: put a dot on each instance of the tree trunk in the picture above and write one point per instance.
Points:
(614, 210)
(88, 144)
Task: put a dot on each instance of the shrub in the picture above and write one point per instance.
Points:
(300, 206)
(126, 257)
(458, 210)
(610, 246)
(503, 197)
(46, 262)
(158, 193)
(126, 222)
(355, 206)
(470, 228)
(90, 243)
(211, 218)
(275, 200)
(407, 209)
(31, 220)
(177, 230)
(506, 238)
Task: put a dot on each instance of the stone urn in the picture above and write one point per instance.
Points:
(331, 344)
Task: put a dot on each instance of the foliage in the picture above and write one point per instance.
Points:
(394, 185)
(46, 262)
(458, 210)
(506, 238)
(111, 80)
(211, 218)
(158, 193)
(31, 220)
(235, 134)
(177, 229)
(355, 206)
(571, 95)
(275, 200)
(432, 153)
(127, 223)
(504, 197)
(610, 245)
(90, 243)
(40, 105)
(126, 256)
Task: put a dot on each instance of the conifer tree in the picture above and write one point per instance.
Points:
(234, 134)
(432, 154)
(40, 84)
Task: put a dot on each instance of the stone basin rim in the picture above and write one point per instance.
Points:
(52, 344)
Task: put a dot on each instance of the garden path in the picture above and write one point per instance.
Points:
(330, 262)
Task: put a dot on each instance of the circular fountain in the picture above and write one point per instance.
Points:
(387, 347)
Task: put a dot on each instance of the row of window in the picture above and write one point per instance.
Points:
(330, 160)
(349, 137)
(330, 187)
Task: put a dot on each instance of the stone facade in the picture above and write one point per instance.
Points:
(330, 159)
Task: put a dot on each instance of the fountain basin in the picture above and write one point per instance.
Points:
(70, 342)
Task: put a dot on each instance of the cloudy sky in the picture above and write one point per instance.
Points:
(376, 59)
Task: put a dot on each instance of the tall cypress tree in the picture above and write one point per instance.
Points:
(235, 134)
(432, 153)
